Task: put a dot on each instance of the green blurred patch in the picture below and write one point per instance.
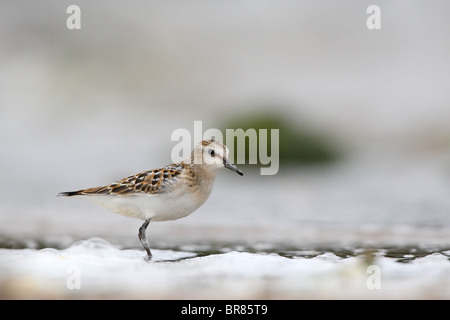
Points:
(298, 144)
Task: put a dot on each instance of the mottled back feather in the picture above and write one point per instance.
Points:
(152, 181)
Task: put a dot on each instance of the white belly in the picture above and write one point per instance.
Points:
(158, 207)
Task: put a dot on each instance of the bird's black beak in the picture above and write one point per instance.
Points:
(232, 167)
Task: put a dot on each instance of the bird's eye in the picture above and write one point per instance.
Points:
(211, 152)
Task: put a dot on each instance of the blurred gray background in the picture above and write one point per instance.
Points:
(87, 107)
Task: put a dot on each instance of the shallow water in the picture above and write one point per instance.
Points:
(404, 254)
(94, 268)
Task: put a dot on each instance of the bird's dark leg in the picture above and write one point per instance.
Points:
(143, 238)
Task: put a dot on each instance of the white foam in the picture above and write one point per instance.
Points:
(104, 271)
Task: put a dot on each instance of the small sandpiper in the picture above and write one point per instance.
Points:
(169, 193)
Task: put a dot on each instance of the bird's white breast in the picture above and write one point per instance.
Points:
(159, 207)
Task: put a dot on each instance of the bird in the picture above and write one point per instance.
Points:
(168, 193)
